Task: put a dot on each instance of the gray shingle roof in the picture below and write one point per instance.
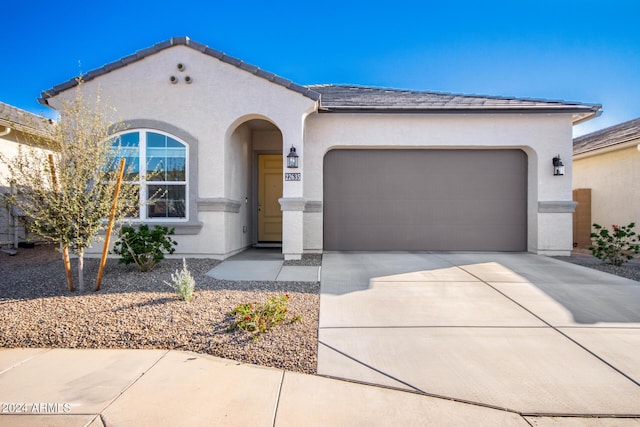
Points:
(608, 137)
(351, 98)
(24, 121)
(179, 41)
(361, 98)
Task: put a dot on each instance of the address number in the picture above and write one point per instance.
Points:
(292, 176)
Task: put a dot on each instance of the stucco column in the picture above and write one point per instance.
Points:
(292, 227)
(555, 222)
(292, 201)
(555, 205)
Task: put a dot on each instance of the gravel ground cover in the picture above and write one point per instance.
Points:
(630, 270)
(136, 310)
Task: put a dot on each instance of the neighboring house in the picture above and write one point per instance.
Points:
(18, 128)
(606, 178)
(379, 169)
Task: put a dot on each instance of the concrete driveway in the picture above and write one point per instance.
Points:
(515, 331)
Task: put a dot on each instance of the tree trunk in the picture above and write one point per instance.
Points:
(67, 265)
(81, 270)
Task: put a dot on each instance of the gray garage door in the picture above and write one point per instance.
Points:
(438, 200)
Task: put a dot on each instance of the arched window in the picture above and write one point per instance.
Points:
(157, 162)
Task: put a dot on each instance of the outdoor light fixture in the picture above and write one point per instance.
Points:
(558, 166)
(292, 158)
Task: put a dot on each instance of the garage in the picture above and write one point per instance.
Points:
(425, 199)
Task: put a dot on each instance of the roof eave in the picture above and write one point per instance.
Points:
(25, 122)
(28, 130)
(588, 115)
(580, 114)
(631, 142)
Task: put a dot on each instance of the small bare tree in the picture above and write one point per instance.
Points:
(70, 206)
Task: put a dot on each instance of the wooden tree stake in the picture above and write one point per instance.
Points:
(107, 238)
(65, 250)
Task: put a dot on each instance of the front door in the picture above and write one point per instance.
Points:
(269, 191)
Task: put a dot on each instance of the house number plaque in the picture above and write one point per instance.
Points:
(292, 176)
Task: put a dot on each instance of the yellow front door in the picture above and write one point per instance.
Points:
(269, 191)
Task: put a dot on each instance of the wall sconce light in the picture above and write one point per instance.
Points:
(558, 166)
(292, 158)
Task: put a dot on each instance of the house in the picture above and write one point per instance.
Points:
(377, 169)
(606, 178)
(18, 129)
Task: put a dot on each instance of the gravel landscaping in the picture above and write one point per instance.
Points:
(136, 310)
(630, 270)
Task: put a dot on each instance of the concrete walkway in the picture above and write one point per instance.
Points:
(263, 265)
(526, 333)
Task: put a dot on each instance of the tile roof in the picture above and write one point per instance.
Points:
(178, 41)
(24, 121)
(608, 137)
(371, 99)
(351, 98)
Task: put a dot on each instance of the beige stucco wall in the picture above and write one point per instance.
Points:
(211, 110)
(614, 180)
(10, 145)
(9, 148)
(541, 136)
(211, 115)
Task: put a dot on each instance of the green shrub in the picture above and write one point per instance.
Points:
(615, 247)
(259, 318)
(144, 247)
(183, 283)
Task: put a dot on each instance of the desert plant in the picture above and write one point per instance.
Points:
(259, 318)
(143, 246)
(67, 196)
(615, 247)
(183, 283)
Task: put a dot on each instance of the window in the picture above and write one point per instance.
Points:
(158, 164)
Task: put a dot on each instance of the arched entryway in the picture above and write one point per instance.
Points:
(254, 176)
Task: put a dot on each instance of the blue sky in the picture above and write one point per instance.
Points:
(587, 51)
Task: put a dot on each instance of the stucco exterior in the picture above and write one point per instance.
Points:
(613, 176)
(228, 113)
(225, 116)
(19, 131)
(9, 147)
(541, 137)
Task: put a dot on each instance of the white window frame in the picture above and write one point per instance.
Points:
(143, 183)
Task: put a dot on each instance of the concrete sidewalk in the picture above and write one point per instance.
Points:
(104, 388)
(263, 265)
(519, 331)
